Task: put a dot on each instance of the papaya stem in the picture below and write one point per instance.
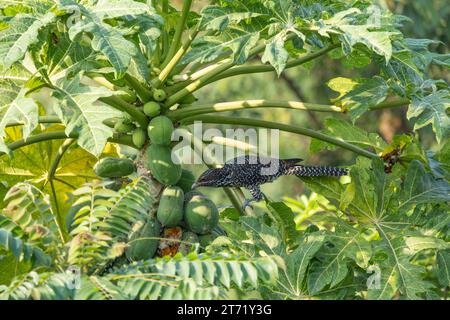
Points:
(249, 104)
(282, 127)
(50, 177)
(165, 72)
(239, 70)
(178, 32)
(124, 106)
(214, 70)
(42, 119)
(142, 92)
(58, 135)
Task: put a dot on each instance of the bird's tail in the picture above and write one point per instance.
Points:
(316, 171)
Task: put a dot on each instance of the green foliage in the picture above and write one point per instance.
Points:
(79, 114)
(78, 76)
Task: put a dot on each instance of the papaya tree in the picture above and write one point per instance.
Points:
(94, 206)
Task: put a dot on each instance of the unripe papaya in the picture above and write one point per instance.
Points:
(122, 127)
(159, 162)
(160, 130)
(159, 95)
(170, 210)
(127, 118)
(139, 137)
(110, 167)
(141, 246)
(186, 181)
(187, 241)
(201, 214)
(152, 108)
(206, 239)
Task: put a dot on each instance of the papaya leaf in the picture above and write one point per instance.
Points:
(421, 187)
(32, 163)
(77, 110)
(432, 109)
(22, 33)
(19, 249)
(349, 133)
(20, 110)
(107, 40)
(443, 264)
(285, 220)
(344, 246)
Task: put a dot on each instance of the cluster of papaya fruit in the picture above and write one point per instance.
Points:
(183, 223)
(185, 220)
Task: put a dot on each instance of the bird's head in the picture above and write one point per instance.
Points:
(209, 178)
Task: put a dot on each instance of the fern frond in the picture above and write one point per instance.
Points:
(44, 286)
(136, 202)
(106, 218)
(21, 249)
(98, 288)
(193, 276)
(30, 210)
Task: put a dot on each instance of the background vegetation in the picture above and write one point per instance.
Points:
(380, 233)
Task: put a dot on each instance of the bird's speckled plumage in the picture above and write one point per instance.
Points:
(252, 171)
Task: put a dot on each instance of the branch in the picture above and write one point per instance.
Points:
(251, 104)
(66, 144)
(124, 106)
(50, 177)
(57, 135)
(165, 72)
(178, 32)
(248, 104)
(43, 119)
(142, 92)
(282, 127)
(239, 70)
(297, 92)
(214, 70)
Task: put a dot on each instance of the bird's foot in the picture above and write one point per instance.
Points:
(247, 204)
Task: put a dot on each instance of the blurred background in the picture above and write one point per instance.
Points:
(308, 84)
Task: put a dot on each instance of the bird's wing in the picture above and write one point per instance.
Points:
(293, 161)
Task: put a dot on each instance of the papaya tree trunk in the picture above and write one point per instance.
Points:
(143, 171)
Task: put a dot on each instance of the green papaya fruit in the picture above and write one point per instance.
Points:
(152, 109)
(170, 209)
(141, 246)
(159, 95)
(160, 130)
(201, 214)
(159, 162)
(122, 127)
(127, 118)
(139, 137)
(188, 240)
(110, 167)
(186, 181)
